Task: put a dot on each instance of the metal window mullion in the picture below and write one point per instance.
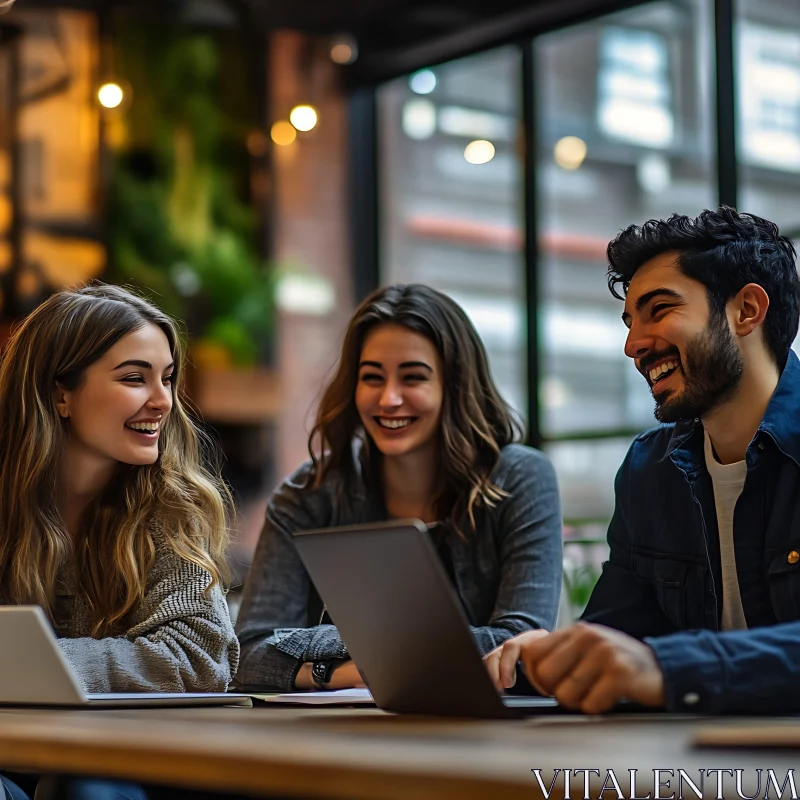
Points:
(364, 193)
(531, 246)
(727, 166)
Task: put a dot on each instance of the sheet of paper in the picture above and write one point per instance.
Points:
(340, 697)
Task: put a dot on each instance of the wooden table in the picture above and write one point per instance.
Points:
(370, 754)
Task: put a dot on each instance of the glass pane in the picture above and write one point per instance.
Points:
(625, 134)
(49, 125)
(586, 472)
(768, 106)
(452, 197)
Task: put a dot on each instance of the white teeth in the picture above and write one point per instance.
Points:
(145, 427)
(393, 423)
(667, 366)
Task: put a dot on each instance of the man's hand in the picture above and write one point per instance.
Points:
(586, 666)
(501, 662)
(590, 667)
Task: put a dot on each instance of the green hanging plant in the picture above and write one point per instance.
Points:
(181, 224)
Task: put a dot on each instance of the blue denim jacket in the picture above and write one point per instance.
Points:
(663, 576)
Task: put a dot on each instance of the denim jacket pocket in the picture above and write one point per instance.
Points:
(783, 575)
(668, 577)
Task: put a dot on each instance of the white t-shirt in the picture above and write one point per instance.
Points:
(728, 480)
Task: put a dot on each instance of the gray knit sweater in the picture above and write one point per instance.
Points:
(178, 641)
(507, 572)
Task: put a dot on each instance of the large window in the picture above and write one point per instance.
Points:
(451, 197)
(625, 109)
(625, 133)
(768, 104)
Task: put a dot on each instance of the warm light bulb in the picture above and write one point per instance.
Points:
(304, 118)
(342, 54)
(570, 152)
(110, 95)
(479, 152)
(344, 49)
(282, 132)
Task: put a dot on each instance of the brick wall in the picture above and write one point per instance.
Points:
(310, 229)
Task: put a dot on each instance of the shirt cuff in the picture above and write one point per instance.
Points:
(273, 672)
(693, 672)
(310, 644)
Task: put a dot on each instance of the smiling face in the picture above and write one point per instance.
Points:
(116, 412)
(683, 348)
(399, 392)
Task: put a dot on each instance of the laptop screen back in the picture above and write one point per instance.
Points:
(392, 602)
(32, 667)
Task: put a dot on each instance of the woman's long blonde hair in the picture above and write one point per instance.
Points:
(181, 493)
(475, 425)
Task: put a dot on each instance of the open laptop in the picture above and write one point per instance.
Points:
(33, 671)
(388, 594)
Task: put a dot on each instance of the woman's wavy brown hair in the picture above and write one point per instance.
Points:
(475, 421)
(181, 494)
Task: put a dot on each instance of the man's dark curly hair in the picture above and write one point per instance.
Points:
(724, 250)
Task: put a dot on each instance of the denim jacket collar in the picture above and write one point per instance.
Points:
(685, 446)
(782, 418)
(781, 422)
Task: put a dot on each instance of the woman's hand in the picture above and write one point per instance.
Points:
(345, 676)
(501, 663)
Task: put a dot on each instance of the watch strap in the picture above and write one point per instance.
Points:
(321, 672)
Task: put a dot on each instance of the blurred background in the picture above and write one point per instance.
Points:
(257, 167)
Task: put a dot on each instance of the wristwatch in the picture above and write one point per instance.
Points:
(321, 672)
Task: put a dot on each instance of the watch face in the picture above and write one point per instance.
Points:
(321, 671)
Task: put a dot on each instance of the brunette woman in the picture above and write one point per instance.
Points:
(410, 426)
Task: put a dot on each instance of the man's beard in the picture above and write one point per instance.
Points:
(711, 372)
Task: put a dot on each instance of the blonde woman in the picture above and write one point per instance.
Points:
(411, 425)
(111, 519)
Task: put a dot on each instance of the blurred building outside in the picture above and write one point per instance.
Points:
(498, 177)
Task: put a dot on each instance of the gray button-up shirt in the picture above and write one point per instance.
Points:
(507, 571)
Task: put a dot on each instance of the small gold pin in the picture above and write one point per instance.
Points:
(793, 557)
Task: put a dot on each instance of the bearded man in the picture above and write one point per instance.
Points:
(698, 606)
